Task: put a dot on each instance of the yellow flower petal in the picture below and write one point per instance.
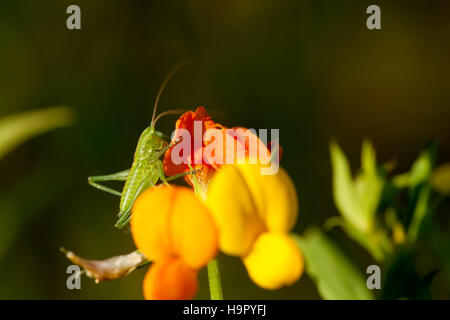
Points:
(245, 204)
(274, 261)
(194, 234)
(231, 203)
(274, 195)
(149, 227)
(171, 221)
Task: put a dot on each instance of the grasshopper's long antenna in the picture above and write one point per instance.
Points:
(178, 66)
(165, 113)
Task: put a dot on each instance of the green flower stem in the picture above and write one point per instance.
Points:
(214, 278)
(215, 281)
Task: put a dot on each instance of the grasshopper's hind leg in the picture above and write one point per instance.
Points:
(124, 218)
(118, 176)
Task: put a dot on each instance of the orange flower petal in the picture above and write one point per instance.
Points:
(237, 145)
(171, 279)
(200, 114)
(186, 122)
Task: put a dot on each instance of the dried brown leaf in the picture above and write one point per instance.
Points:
(108, 269)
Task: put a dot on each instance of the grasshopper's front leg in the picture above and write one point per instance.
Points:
(118, 176)
(163, 150)
(164, 179)
(160, 167)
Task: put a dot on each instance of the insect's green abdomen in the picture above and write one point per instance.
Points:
(143, 172)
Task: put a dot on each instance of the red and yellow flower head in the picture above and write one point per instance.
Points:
(241, 211)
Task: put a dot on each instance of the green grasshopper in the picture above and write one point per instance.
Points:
(147, 168)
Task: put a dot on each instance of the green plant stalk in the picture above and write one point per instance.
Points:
(215, 280)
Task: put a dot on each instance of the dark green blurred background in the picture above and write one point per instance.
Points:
(309, 68)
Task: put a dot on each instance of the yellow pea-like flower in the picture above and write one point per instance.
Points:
(174, 229)
(254, 214)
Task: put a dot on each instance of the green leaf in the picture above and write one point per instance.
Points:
(337, 278)
(16, 129)
(343, 189)
(440, 179)
(356, 200)
(369, 185)
(420, 214)
(420, 171)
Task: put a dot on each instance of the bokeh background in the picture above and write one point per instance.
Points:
(309, 68)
